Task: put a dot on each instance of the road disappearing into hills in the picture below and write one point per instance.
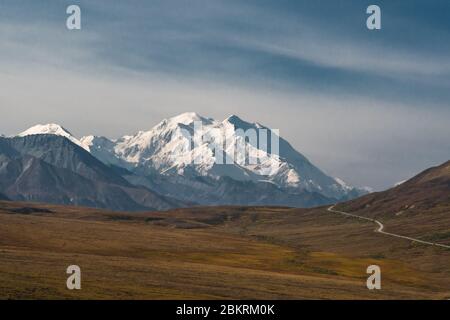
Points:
(381, 227)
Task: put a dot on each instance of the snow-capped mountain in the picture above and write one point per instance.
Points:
(51, 128)
(103, 149)
(52, 169)
(202, 161)
(187, 146)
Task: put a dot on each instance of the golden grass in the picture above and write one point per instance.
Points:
(233, 253)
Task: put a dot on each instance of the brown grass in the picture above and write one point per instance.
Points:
(209, 253)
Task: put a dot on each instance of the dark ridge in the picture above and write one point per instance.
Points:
(3, 197)
(30, 210)
(52, 169)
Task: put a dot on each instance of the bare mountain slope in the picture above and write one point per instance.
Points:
(51, 168)
(418, 208)
(427, 190)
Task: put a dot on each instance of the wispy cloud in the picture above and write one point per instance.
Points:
(371, 108)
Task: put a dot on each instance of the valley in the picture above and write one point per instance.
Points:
(209, 253)
(225, 150)
(142, 224)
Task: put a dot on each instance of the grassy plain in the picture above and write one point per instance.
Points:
(210, 253)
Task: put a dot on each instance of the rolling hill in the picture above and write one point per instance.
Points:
(419, 207)
(426, 191)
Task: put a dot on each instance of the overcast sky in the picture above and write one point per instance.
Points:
(370, 107)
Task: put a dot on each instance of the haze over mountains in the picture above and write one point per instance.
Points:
(150, 169)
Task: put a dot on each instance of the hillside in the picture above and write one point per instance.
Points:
(52, 169)
(209, 253)
(427, 190)
(418, 207)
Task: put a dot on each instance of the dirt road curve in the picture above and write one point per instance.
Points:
(381, 227)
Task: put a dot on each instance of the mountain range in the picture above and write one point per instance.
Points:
(157, 169)
(52, 169)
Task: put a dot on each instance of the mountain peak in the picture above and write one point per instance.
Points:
(166, 152)
(239, 123)
(187, 118)
(52, 129)
(233, 118)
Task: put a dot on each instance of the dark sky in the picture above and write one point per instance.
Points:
(370, 107)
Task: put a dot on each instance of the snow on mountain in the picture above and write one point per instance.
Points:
(400, 183)
(191, 147)
(103, 149)
(342, 183)
(51, 128)
(361, 190)
(194, 146)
